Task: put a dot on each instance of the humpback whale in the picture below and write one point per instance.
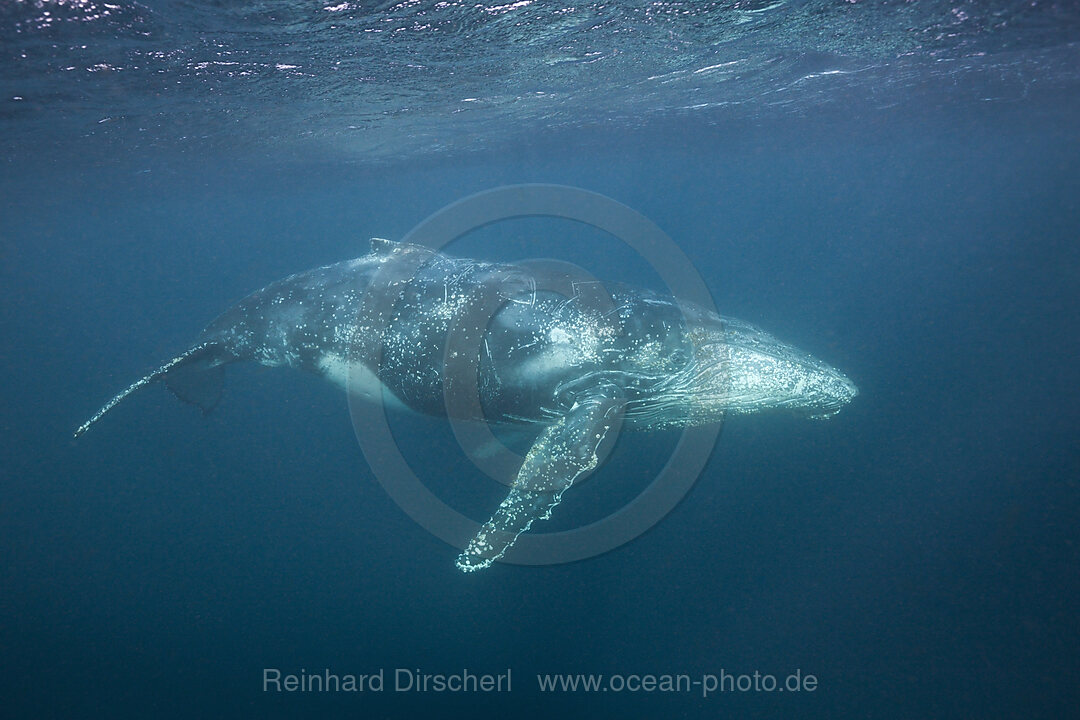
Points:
(576, 364)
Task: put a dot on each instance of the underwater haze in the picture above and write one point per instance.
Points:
(891, 186)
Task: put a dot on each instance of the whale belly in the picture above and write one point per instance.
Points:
(357, 379)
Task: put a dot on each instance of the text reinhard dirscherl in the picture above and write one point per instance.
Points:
(401, 680)
(404, 680)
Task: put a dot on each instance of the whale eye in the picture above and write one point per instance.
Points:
(565, 397)
(679, 358)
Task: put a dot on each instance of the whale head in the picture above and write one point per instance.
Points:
(738, 368)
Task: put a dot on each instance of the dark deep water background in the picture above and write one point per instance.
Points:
(918, 553)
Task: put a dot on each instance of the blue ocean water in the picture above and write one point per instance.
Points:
(891, 186)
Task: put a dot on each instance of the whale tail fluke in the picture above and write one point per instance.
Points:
(197, 377)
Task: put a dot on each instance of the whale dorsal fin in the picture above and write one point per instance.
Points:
(382, 246)
(567, 450)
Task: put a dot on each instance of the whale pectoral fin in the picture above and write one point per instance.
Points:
(567, 450)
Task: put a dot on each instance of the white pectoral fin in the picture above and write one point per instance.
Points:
(564, 452)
